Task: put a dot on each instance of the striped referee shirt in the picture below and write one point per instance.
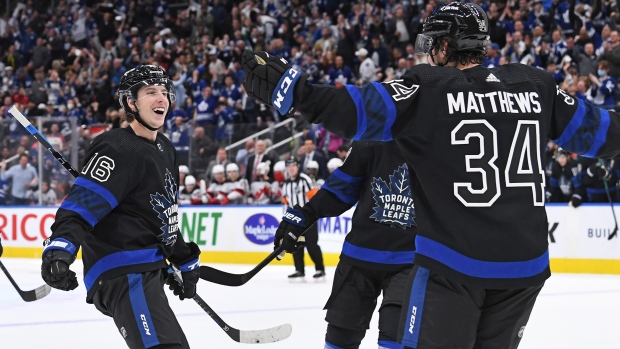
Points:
(296, 190)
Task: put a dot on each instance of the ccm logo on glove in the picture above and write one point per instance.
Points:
(282, 100)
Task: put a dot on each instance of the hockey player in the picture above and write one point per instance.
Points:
(122, 211)
(279, 176)
(191, 194)
(333, 164)
(312, 170)
(260, 189)
(237, 187)
(217, 193)
(473, 136)
(377, 254)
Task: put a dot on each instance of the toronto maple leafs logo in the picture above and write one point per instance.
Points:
(167, 209)
(394, 202)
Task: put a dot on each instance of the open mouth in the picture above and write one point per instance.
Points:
(159, 111)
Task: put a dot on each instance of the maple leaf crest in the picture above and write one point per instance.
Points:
(166, 208)
(394, 199)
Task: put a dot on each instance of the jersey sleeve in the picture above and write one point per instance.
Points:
(362, 113)
(106, 178)
(582, 128)
(341, 189)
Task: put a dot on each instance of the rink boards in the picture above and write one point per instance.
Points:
(578, 238)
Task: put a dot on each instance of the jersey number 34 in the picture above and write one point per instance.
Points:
(523, 167)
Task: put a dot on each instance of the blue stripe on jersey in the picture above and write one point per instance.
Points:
(389, 345)
(601, 134)
(478, 268)
(344, 186)
(121, 259)
(377, 256)
(104, 192)
(328, 345)
(587, 130)
(390, 111)
(141, 311)
(83, 212)
(413, 321)
(356, 96)
(375, 113)
(90, 200)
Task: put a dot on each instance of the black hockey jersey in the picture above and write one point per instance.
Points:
(474, 138)
(122, 209)
(376, 177)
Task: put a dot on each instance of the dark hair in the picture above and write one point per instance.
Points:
(463, 57)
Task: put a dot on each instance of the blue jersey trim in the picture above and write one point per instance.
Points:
(389, 345)
(102, 191)
(60, 244)
(341, 196)
(121, 259)
(356, 95)
(415, 309)
(141, 311)
(80, 210)
(390, 111)
(346, 177)
(573, 125)
(601, 134)
(328, 345)
(377, 256)
(477, 268)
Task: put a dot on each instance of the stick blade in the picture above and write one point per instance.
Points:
(36, 294)
(269, 335)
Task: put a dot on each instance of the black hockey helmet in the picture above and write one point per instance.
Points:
(466, 23)
(138, 77)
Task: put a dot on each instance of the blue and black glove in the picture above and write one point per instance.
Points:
(190, 274)
(58, 255)
(290, 232)
(272, 80)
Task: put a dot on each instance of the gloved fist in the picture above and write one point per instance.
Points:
(271, 80)
(188, 273)
(575, 200)
(599, 172)
(289, 233)
(58, 255)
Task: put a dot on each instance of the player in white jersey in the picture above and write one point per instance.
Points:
(260, 189)
(279, 174)
(312, 170)
(190, 193)
(237, 187)
(217, 192)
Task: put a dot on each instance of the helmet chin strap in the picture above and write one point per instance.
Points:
(141, 121)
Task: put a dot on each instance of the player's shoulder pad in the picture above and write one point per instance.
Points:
(518, 73)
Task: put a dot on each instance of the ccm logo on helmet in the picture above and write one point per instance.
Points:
(284, 86)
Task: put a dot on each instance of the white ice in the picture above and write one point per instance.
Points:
(573, 311)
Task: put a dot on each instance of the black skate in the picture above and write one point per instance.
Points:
(297, 277)
(319, 275)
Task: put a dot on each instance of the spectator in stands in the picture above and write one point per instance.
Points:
(23, 177)
(311, 154)
(251, 173)
(367, 70)
(244, 154)
(202, 148)
(333, 164)
(48, 196)
(604, 87)
(179, 135)
(560, 187)
(342, 152)
(221, 158)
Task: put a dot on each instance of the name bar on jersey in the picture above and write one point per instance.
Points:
(496, 102)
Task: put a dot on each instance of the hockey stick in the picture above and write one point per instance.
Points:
(268, 335)
(615, 232)
(228, 279)
(44, 142)
(27, 296)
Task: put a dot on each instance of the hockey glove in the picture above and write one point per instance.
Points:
(190, 274)
(272, 81)
(57, 257)
(289, 233)
(575, 200)
(597, 171)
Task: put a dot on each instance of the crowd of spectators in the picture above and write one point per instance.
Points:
(64, 59)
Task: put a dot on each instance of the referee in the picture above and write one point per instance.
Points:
(297, 189)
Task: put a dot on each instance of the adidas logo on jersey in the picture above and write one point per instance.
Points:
(492, 78)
